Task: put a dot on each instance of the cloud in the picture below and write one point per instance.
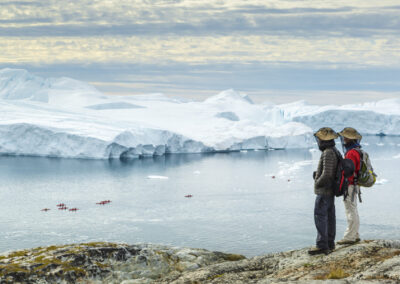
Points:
(185, 45)
(332, 52)
(180, 18)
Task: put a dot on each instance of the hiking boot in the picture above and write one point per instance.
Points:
(358, 240)
(316, 250)
(347, 242)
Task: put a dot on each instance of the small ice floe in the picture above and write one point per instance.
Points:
(397, 156)
(365, 144)
(157, 177)
(243, 151)
(287, 170)
(313, 150)
(196, 172)
(381, 181)
(380, 144)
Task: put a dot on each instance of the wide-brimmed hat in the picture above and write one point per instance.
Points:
(350, 133)
(326, 133)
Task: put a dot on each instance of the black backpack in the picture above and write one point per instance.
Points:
(344, 170)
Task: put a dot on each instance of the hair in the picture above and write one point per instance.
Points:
(324, 144)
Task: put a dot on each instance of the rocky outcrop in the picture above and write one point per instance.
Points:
(365, 262)
(104, 263)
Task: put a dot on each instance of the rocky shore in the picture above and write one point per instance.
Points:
(376, 261)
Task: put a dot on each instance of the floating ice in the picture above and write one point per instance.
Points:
(62, 117)
(157, 177)
(291, 169)
(381, 181)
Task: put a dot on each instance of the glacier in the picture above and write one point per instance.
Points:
(63, 117)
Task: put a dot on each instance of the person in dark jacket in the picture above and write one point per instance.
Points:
(324, 209)
(351, 141)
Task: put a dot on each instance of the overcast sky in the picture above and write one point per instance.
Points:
(320, 51)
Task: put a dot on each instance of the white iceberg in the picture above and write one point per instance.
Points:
(62, 117)
(157, 177)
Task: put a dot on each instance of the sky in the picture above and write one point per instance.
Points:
(274, 50)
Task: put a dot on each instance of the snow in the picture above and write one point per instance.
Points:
(62, 117)
(228, 115)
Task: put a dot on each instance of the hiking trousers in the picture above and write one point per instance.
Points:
(325, 221)
(353, 220)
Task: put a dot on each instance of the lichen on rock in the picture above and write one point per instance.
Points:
(103, 263)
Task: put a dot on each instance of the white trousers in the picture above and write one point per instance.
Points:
(353, 220)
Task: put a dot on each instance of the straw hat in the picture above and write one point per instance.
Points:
(326, 133)
(350, 133)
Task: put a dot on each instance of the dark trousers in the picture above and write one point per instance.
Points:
(325, 221)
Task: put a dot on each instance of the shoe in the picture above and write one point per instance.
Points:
(316, 250)
(358, 240)
(346, 242)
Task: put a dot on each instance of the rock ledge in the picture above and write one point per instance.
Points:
(375, 261)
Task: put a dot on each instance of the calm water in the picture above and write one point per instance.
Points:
(236, 206)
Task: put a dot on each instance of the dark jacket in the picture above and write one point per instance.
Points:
(326, 172)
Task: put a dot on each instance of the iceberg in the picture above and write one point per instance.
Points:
(63, 117)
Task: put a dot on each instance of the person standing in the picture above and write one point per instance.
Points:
(351, 144)
(324, 208)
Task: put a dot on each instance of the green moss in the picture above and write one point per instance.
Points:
(43, 257)
(307, 265)
(100, 244)
(18, 253)
(102, 265)
(215, 276)
(11, 268)
(337, 274)
(65, 266)
(39, 258)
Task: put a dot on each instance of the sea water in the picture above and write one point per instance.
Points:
(251, 203)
